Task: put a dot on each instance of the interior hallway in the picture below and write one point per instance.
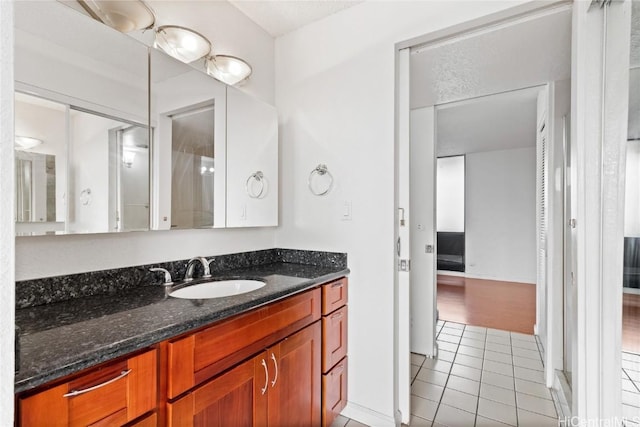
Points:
(508, 306)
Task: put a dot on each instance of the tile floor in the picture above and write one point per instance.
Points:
(631, 388)
(491, 378)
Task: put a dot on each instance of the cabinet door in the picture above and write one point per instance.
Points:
(237, 398)
(295, 385)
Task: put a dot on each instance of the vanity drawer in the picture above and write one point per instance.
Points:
(113, 394)
(334, 338)
(204, 354)
(334, 295)
(334, 392)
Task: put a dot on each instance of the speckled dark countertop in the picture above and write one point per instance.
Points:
(65, 337)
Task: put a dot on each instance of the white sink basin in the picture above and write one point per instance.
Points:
(217, 289)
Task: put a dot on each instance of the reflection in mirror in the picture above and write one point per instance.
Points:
(193, 168)
(98, 78)
(40, 169)
(108, 174)
(188, 109)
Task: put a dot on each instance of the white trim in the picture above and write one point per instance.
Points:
(633, 291)
(367, 416)
(478, 276)
(7, 226)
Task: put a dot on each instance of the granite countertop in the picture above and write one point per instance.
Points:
(62, 338)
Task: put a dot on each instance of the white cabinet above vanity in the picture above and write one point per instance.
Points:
(131, 139)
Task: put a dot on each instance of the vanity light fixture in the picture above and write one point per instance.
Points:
(128, 156)
(26, 142)
(182, 43)
(124, 16)
(228, 69)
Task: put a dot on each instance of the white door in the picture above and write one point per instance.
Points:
(423, 236)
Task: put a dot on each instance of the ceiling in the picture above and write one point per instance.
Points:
(506, 57)
(278, 17)
(497, 122)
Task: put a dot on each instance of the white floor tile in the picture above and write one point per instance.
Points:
(530, 419)
(437, 365)
(472, 343)
(433, 377)
(454, 339)
(523, 337)
(416, 421)
(427, 390)
(446, 355)
(451, 331)
(478, 329)
(474, 362)
(463, 384)
(486, 422)
(497, 357)
(470, 351)
(525, 362)
(340, 421)
(454, 325)
(354, 423)
(631, 399)
(528, 345)
(627, 385)
(498, 380)
(423, 408)
(498, 368)
(528, 374)
(634, 375)
(417, 359)
(631, 412)
(499, 339)
(523, 352)
(474, 335)
(536, 404)
(414, 371)
(466, 372)
(497, 411)
(532, 388)
(460, 400)
(631, 365)
(447, 346)
(498, 394)
(454, 417)
(498, 332)
(498, 348)
(630, 356)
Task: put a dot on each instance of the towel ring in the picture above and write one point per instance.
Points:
(320, 170)
(258, 177)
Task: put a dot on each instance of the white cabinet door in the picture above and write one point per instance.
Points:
(252, 161)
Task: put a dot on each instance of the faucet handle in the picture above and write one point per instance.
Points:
(167, 276)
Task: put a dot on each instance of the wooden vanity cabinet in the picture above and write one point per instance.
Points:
(113, 394)
(334, 349)
(278, 387)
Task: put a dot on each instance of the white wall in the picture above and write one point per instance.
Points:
(335, 96)
(632, 194)
(501, 222)
(450, 194)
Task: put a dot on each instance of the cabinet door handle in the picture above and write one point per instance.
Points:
(275, 363)
(336, 315)
(263, 390)
(95, 387)
(336, 284)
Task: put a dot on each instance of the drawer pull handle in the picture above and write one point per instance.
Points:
(95, 387)
(275, 363)
(336, 315)
(337, 369)
(337, 284)
(263, 390)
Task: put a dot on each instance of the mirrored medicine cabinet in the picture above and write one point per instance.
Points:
(114, 136)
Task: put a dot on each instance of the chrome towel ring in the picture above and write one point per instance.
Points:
(320, 171)
(259, 178)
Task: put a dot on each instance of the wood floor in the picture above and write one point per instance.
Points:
(631, 323)
(512, 307)
(494, 304)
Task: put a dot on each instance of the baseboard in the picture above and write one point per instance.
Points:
(484, 277)
(367, 416)
(634, 291)
(451, 273)
(561, 393)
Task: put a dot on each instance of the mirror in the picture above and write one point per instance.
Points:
(82, 91)
(188, 108)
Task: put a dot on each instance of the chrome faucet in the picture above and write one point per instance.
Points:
(188, 275)
(167, 276)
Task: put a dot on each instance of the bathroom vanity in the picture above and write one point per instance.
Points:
(274, 356)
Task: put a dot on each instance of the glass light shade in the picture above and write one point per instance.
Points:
(124, 16)
(228, 69)
(182, 43)
(26, 142)
(128, 157)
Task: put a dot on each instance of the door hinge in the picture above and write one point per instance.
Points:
(404, 265)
